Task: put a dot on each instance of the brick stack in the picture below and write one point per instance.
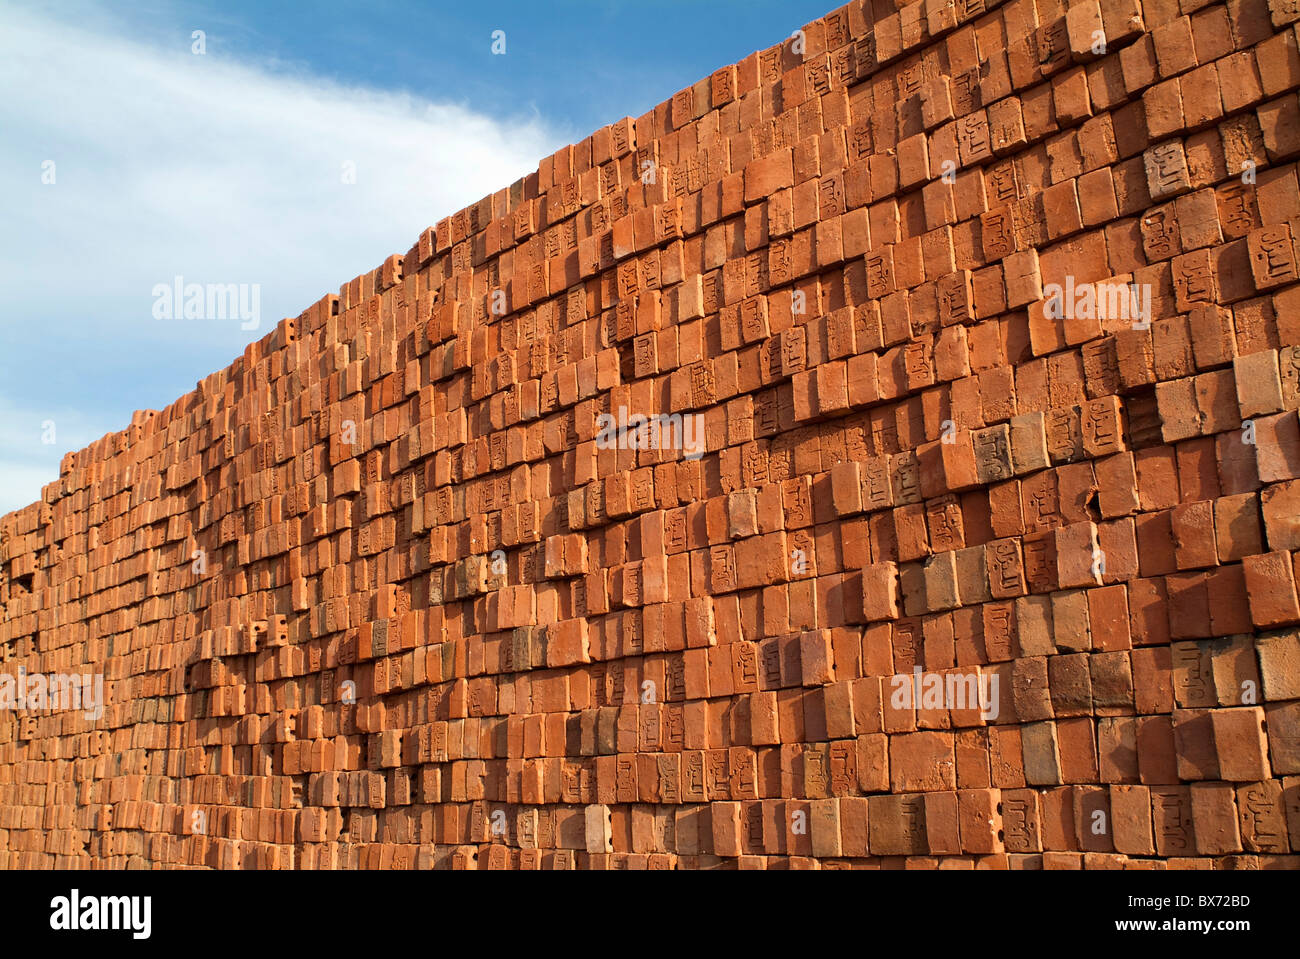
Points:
(376, 596)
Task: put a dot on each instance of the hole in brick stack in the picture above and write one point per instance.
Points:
(1143, 420)
(626, 361)
(1093, 506)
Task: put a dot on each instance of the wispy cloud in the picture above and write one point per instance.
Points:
(221, 170)
(33, 439)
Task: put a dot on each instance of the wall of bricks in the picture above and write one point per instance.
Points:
(376, 596)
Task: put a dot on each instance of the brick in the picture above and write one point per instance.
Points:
(1261, 817)
(1270, 582)
(1277, 446)
(766, 176)
(1174, 46)
(1192, 526)
(922, 761)
(1240, 743)
(1214, 818)
(1131, 818)
(880, 592)
(1279, 665)
(1280, 505)
(1042, 758)
(1277, 121)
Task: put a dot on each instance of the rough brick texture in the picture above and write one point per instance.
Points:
(378, 595)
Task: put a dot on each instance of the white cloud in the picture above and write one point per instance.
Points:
(221, 171)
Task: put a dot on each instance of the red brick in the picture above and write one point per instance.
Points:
(1270, 581)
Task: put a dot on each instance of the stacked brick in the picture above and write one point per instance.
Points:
(376, 595)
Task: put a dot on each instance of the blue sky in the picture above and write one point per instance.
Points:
(307, 142)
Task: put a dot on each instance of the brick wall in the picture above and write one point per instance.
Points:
(380, 594)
